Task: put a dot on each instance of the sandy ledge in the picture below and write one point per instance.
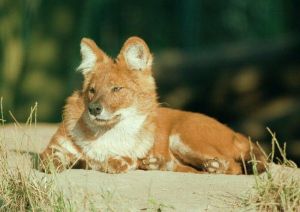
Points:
(136, 190)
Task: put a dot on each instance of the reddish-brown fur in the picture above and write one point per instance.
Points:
(158, 138)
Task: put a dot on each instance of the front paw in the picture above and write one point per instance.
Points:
(118, 164)
(50, 163)
(151, 163)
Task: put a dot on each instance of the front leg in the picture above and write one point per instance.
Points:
(59, 155)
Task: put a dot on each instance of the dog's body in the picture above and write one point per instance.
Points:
(115, 124)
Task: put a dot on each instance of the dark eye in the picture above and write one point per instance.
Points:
(92, 90)
(116, 89)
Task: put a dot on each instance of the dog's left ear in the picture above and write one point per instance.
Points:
(90, 54)
(136, 54)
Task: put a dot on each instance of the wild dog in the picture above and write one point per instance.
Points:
(115, 124)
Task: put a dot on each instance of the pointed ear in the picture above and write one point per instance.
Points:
(136, 54)
(90, 54)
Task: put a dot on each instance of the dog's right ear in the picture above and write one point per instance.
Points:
(136, 54)
(91, 54)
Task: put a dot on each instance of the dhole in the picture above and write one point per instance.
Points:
(114, 124)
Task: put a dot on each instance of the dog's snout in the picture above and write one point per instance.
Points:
(95, 109)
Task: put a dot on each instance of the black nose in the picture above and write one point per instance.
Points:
(95, 109)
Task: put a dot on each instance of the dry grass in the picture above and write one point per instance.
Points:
(275, 191)
(20, 188)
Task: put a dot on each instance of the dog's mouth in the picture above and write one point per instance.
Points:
(110, 121)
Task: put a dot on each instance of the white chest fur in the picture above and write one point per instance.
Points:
(124, 139)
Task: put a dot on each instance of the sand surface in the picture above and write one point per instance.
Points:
(136, 190)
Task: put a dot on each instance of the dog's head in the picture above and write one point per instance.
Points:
(117, 89)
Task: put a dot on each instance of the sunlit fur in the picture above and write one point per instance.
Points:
(132, 131)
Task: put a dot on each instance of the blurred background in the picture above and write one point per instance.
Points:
(235, 60)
